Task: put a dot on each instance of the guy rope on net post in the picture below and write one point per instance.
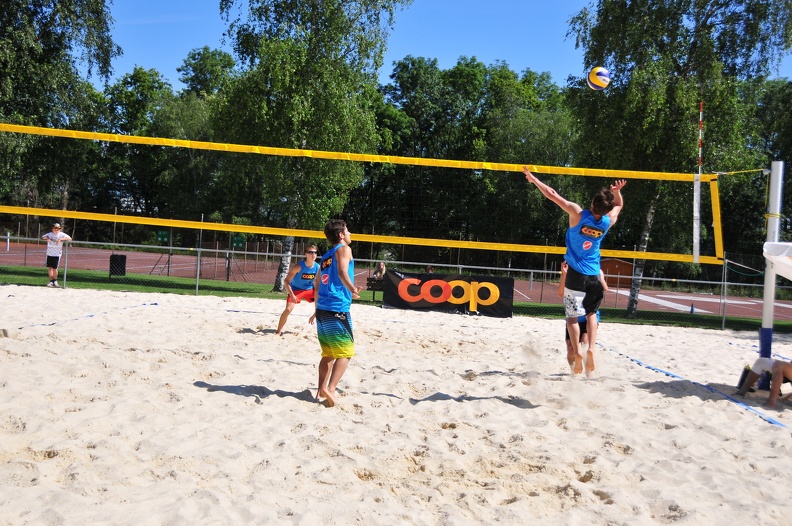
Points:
(773, 223)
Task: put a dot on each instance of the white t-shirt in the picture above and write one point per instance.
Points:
(55, 243)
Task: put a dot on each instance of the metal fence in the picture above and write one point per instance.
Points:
(252, 269)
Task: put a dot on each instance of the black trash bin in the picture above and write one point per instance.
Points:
(118, 264)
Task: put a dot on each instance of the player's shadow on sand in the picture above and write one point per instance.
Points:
(256, 391)
(248, 330)
(686, 388)
(442, 397)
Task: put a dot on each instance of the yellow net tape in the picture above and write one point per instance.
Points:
(346, 156)
(392, 159)
(318, 234)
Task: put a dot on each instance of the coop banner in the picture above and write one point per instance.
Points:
(485, 295)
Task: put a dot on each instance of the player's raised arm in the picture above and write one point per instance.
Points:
(573, 209)
(618, 200)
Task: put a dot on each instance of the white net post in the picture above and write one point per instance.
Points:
(773, 223)
(697, 189)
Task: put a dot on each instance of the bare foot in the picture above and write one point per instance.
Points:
(589, 364)
(768, 405)
(324, 393)
(578, 365)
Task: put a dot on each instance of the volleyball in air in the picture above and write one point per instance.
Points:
(598, 78)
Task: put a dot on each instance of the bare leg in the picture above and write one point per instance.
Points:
(591, 329)
(285, 314)
(750, 379)
(325, 365)
(336, 372)
(780, 369)
(570, 355)
(574, 337)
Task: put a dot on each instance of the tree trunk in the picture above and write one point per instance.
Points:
(285, 263)
(635, 287)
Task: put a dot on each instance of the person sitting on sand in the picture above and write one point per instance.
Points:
(781, 372)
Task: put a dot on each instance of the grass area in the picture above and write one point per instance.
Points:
(100, 280)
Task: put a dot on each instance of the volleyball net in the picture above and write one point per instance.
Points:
(712, 179)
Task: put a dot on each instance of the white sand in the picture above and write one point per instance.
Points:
(121, 408)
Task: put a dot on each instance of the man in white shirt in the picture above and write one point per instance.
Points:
(55, 240)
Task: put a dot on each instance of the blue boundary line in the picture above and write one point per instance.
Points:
(755, 348)
(88, 316)
(708, 388)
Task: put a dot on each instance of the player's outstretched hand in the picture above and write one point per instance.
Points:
(618, 185)
(529, 176)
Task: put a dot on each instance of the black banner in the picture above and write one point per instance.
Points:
(485, 295)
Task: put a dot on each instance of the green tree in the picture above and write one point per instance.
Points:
(775, 123)
(471, 112)
(526, 122)
(187, 183)
(134, 100)
(205, 70)
(665, 56)
(441, 110)
(307, 65)
(71, 171)
(40, 43)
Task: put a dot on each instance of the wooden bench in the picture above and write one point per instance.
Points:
(375, 285)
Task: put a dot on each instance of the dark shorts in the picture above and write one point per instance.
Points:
(583, 329)
(590, 285)
(53, 261)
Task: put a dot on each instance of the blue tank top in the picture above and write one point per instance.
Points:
(304, 279)
(332, 294)
(583, 243)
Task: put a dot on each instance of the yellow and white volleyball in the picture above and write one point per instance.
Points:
(598, 78)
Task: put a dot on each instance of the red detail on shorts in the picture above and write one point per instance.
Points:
(586, 245)
(325, 279)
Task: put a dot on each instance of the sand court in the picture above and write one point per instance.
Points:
(130, 408)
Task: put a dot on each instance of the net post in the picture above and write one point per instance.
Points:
(773, 222)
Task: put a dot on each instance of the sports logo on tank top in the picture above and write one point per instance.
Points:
(325, 279)
(587, 245)
(590, 231)
(308, 276)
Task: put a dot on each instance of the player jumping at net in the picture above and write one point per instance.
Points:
(583, 292)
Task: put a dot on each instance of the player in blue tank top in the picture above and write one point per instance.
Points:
(583, 292)
(299, 284)
(335, 290)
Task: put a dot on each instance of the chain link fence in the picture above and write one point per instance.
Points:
(253, 268)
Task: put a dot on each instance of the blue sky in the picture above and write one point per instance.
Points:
(525, 34)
